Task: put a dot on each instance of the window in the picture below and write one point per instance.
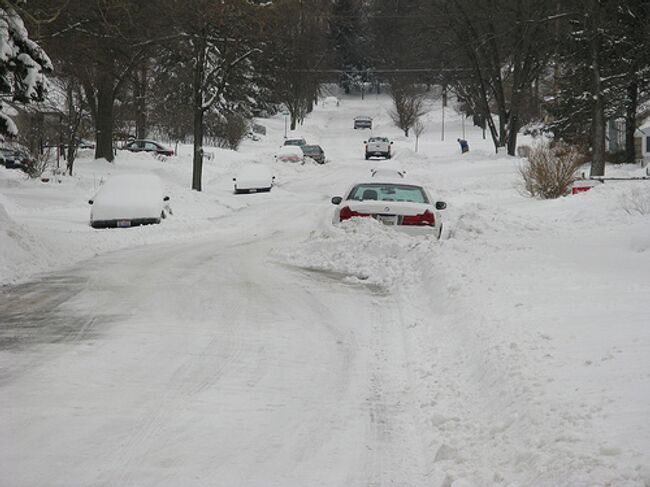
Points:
(389, 192)
(647, 144)
(150, 146)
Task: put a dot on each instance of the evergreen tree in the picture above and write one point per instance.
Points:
(23, 66)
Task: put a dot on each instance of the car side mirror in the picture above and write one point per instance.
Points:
(337, 200)
(365, 141)
(166, 198)
(90, 202)
(441, 205)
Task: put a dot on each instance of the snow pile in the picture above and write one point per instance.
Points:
(365, 251)
(23, 253)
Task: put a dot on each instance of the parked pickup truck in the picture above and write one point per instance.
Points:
(378, 146)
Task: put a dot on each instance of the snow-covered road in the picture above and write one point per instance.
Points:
(269, 349)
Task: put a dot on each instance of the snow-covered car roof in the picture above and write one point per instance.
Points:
(286, 150)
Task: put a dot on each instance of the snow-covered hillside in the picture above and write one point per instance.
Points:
(247, 341)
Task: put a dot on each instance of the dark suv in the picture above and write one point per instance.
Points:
(148, 146)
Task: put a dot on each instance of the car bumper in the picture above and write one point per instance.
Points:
(134, 222)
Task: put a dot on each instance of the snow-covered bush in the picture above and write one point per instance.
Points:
(637, 200)
(551, 170)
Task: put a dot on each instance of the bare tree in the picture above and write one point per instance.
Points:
(409, 105)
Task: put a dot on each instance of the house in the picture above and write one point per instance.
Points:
(642, 142)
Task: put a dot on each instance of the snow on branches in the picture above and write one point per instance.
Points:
(23, 65)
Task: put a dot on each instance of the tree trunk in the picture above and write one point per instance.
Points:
(140, 102)
(598, 105)
(104, 122)
(513, 121)
(632, 103)
(199, 66)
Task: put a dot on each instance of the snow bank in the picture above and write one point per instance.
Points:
(363, 250)
(22, 253)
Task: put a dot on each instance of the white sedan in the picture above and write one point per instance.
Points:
(253, 178)
(128, 200)
(406, 206)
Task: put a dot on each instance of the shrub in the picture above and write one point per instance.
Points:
(36, 166)
(637, 201)
(230, 131)
(550, 170)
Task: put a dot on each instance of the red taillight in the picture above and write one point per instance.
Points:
(346, 213)
(425, 218)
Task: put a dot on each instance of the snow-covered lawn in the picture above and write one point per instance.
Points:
(515, 351)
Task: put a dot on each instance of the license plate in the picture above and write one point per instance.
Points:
(252, 190)
(123, 223)
(387, 219)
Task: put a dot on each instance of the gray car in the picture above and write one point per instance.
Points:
(314, 152)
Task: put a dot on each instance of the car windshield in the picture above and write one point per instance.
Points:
(294, 142)
(377, 139)
(388, 192)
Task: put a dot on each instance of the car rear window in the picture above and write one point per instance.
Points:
(388, 192)
(377, 139)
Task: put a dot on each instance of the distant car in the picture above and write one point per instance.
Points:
(290, 153)
(314, 152)
(253, 178)
(299, 141)
(393, 201)
(149, 146)
(362, 122)
(128, 200)
(14, 158)
(378, 146)
(86, 144)
(331, 101)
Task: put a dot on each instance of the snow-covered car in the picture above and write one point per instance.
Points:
(314, 152)
(149, 146)
(253, 178)
(331, 101)
(128, 200)
(378, 146)
(290, 153)
(362, 122)
(393, 201)
(295, 140)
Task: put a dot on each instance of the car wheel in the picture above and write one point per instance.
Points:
(367, 157)
(163, 215)
(389, 156)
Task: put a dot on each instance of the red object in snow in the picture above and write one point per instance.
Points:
(580, 189)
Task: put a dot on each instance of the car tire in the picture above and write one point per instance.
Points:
(367, 157)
